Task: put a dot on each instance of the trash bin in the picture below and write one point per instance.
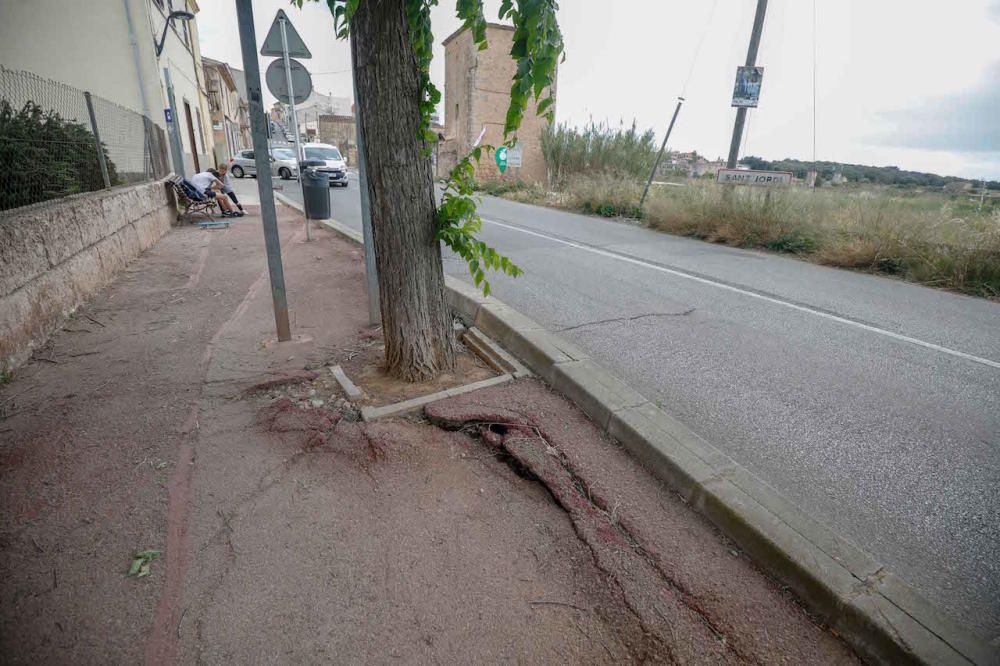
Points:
(315, 192)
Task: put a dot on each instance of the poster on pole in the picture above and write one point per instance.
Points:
(747, 90)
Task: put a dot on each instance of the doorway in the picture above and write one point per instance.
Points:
(194, 144)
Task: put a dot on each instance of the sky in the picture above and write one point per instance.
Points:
(908, 83)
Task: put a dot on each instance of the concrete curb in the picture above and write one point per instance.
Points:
(413, 404)
(876, 612)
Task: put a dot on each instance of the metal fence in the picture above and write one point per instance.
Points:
(49, 137)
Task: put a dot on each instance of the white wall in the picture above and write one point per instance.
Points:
(85, 45)
(184, 61)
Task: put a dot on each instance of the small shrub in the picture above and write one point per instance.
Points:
(793, 244)
(606, 196)
(43, 156)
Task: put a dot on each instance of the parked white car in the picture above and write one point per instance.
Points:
(283, 164)
(335, 164)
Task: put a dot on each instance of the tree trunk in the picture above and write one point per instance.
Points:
(416, 320)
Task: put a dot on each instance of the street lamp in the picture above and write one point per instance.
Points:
(183, 16)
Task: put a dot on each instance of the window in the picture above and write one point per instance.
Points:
(246, 154)
(318, 153)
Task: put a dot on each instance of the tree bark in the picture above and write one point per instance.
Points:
(416, 320)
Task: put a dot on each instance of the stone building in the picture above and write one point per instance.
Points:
(340, 131)
(477, 94)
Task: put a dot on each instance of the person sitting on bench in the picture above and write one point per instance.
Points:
(210, 186)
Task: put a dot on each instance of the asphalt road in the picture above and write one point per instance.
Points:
(871, 403)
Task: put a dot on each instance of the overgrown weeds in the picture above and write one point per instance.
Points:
(598, 149)
(921, 237)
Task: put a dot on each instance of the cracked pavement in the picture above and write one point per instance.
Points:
(891, 444)
(294, 535)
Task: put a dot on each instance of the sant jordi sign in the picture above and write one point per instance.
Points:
(747, 90)
(747, 177)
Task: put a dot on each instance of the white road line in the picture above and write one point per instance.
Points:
(751, 294)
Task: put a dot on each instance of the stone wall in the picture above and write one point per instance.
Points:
(54, 256)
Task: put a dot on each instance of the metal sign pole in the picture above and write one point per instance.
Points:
(371, 272)
(262, 157)
(295, 123)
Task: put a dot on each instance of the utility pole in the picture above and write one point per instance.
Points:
(291, 105)
(741, 113)
(258, 133)
(659, 155)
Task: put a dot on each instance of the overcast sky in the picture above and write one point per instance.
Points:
(911, 83)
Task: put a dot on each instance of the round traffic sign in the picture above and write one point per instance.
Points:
(277, 81)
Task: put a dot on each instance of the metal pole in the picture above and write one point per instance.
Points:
(659, 155)
(176, 151)
(741, 113)
(97, 141)
(371, 272)
(258, 133)
(295, 123)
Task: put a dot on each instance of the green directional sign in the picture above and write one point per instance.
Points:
(501, 157)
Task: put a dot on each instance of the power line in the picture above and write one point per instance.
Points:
(815, 49)
(697, 50)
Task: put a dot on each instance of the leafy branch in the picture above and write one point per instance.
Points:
(536, 50)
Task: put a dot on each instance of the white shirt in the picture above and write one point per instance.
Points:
(203, 181)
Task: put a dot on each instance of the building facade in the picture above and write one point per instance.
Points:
(108, 48)
(477, 85)
(340, 131)
(227, 108)
(309, 112)
(180, 62)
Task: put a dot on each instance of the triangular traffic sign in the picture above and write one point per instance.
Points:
(272, 43)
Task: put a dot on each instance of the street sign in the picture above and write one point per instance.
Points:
(746, 93)
(168, 114)
(514, 156)
(747, 177)
(272, 43)
(501, 158)
(277, 81)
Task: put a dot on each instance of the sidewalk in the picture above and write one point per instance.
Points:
(297, 535)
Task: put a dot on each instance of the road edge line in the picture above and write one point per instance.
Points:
(872, 609)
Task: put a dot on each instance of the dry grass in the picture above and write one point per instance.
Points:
(925, 238)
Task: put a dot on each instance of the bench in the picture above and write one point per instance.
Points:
(187, 197)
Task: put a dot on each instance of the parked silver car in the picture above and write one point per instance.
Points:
(283, 164)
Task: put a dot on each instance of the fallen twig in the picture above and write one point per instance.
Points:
(93, 320)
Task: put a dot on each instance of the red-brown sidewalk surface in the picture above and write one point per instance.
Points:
(506, 528)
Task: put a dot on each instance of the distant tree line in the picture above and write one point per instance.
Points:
(859, 173)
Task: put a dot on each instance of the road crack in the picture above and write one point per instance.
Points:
(616, 320)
